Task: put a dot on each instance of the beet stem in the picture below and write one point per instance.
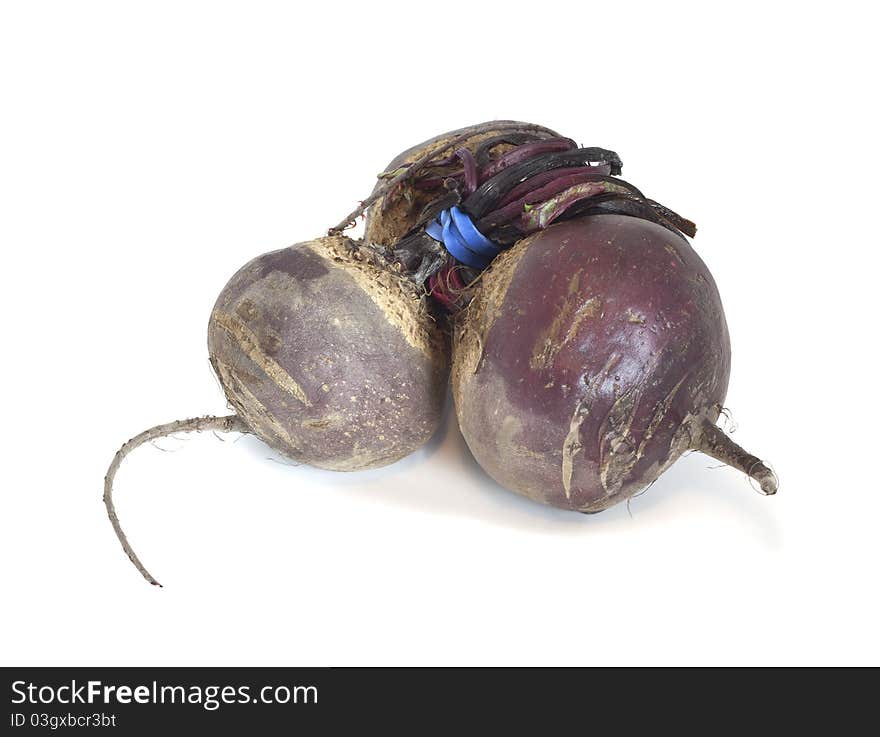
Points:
(714, 442)
(419, 164)
(229, 423)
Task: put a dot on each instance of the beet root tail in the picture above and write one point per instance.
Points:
(229, 423)
(714, 442)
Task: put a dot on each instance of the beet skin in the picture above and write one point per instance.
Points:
(594, 354)
(329, 357)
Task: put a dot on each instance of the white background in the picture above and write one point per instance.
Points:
(149, 149)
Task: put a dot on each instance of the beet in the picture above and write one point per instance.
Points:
(587, 358)
(592, 355)
(328, 357)
(390, 217)
(327, 354)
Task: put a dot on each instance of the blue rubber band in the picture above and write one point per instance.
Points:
(435, 230)
(457, 246)
(461, 238)
(473, 238)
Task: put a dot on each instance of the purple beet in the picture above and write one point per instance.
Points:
(459, 155)
(327, 354)
(592, 356)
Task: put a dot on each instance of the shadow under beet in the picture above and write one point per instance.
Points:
(457, 486)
